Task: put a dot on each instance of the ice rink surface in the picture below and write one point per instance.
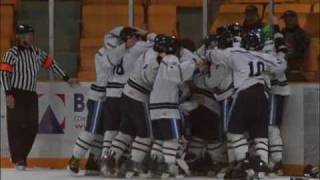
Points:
(48, 174)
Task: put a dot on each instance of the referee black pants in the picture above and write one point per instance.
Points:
(22, 124)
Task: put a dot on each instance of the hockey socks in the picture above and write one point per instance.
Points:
(96, 147)
(140, 148)
(275, 144)
(238, 147)
(83, 144)
(196, 148)
(120, 144)
(217, 152)
(107, 140)
(261, 149)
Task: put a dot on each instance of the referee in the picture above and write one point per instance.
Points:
(18, 76)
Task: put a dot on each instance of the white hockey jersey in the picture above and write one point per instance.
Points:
(279, 82)
(221, 83)
(142, 78)
(103, 69)
(123, 61)
(164, 97)
(203, 94)
(248, 67)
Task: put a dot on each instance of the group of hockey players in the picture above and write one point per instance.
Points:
(160, 110)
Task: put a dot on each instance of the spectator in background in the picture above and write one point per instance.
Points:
(298, 42)
(253, 22)
(252, 19)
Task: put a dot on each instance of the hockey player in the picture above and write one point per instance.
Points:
(123, 60)
(279, 91)
(236, 31)
(249, 69)
(164, 108)
(208, 131)
(143, 78)
(91, 138)
(134, 120)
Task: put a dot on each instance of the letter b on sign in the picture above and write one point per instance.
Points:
(79, 103)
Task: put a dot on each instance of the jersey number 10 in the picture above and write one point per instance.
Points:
(256, 68)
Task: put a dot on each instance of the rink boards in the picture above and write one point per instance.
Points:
(47, 174)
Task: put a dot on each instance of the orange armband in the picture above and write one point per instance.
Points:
(6, 67)
(48, 62)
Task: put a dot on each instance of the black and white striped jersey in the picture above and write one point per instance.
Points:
(20, 66)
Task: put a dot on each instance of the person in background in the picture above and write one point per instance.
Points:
(18, 76)
(298, 42)
(252, 19)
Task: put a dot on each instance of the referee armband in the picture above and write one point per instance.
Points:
(48, 62)
(6, 67)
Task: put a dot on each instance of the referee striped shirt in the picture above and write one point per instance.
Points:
(20, 66)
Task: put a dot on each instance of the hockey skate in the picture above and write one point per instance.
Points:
(259, 167)
(198, 166)
(74, 165)
(217, 169)
(108, 165)
(92, 166)
(21, 166)
(134, 169)
(239, 170)
(155, 166)
(276, 170)
(174, 171)
(311, 171)
(178, 170)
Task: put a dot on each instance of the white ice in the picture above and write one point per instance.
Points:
(48, 174)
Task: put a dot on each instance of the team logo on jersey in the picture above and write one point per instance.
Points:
(52, 113)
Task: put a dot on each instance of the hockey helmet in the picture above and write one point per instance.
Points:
(224, 37)
(166, 44)
(252, 41)
(235, 29)
(24, 28)
(210, 40)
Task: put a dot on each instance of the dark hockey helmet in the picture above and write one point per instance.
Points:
(224, 37)
(166, 44)
(235, 29)
(210, 40)
(127, 33)
(24, 28)
(252, 41)
(222, 29)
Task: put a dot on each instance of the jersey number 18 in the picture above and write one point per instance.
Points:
(118, 69)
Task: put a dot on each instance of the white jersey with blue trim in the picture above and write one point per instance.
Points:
(203, 94)
(142, 78)
(103, 69)
(172, 73)
(248, 67)
(252, 67)
(219, 77)
(123, 61)
(279, 82)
